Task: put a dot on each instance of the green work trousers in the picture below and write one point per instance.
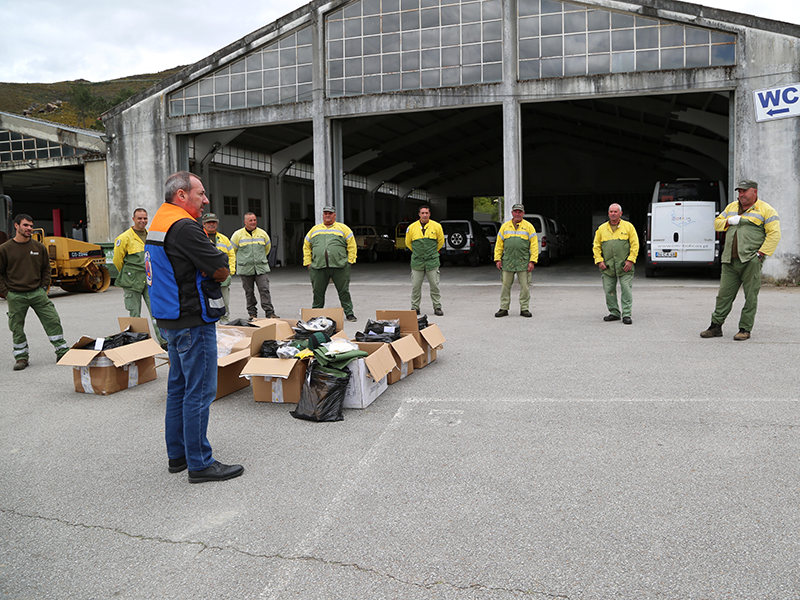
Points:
(417, 277)
(18, 305)
(341, 280)
(133, 304)
(524, 278)
(737, 274)
(626, 295)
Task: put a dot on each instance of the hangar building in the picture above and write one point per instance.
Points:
(380, 105)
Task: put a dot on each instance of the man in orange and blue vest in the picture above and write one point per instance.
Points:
(184, 270)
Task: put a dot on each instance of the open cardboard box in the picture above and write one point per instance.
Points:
(404, 351)
(108, 371)
(429, 339)
(368, 375)
(274, 379)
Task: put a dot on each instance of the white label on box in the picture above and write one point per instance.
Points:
(86, 380)
(277, 389)
(133, 374)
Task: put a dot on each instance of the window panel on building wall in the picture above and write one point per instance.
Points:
(615, 42)
(418, 40)
(277, 73)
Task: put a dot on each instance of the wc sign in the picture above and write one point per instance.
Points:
(777, 102)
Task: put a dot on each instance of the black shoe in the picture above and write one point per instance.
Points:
(714, 330)
(252, 318)
(351, 317)
(501, 313)
(22, 363)
(271, 316)
(438, 312)
(216, 472)
(627, 320)
(611, 318)
(176, 465)
(416, 309)
(165, 346)
(525, 313)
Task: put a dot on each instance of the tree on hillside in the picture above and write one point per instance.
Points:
(89, 106)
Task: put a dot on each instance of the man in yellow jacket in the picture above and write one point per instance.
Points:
(753, 230)
(329, 249)
(223, 244)
(516, 252)
(615, 249)
(129, 261)
(425, 238)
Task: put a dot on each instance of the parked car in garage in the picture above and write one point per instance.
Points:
(400, 251)
(490, 228)
(465, 241)
(372, 242)
(548, 241)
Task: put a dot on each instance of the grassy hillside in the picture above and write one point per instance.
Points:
(77, 103)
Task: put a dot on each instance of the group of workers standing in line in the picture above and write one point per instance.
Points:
(182, 270)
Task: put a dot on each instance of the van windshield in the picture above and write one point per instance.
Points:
(689, 190)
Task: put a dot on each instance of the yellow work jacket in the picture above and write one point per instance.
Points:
(759, 230)
(424, 245)
(516, 246)
(615, 246)
(129, 260)
(332, 246)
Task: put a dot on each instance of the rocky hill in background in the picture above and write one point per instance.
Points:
(76, 103)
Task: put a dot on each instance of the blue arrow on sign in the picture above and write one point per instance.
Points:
(774, 112)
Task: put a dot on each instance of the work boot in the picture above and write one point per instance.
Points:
(416, 309)
(501, 313)
(714, 330)
(22, 363)
(351, 317)
(627, 320)
(438, 311)
(525, 313)
(742, 335)
(611, 318)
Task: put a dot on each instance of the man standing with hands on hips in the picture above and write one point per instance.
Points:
(184, 270)
(616, 247)
(753, 230)
(516, 252)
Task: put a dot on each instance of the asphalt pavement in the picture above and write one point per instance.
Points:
(553, 457)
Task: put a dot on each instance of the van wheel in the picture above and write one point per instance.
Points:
(649, 272)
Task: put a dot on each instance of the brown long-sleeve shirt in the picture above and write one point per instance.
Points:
(23, 267)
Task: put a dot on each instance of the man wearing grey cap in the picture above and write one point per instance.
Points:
(329, 249)
(516, 252)
(753, 230)
(223, 244)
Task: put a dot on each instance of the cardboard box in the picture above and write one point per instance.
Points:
(404, 351)
(335, 313)
(368, 375)
(430, 339)
(274, 379)
(108, 371)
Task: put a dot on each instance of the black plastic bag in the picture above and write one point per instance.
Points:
(376, 337)
(389, 330)
(118, 340)
(269, 349)
(422, 322)
(240, 323)
(322, 396)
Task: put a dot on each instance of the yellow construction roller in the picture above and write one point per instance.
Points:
(75, 266)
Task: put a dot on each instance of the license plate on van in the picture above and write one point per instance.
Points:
(667, 254)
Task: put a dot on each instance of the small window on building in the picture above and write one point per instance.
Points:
(230, 205)
(254, 206)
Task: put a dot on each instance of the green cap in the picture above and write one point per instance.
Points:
(746, 184)
(328, 208)
(518, 207)
(210, 217)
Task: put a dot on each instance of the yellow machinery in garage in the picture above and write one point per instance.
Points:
(76, 266)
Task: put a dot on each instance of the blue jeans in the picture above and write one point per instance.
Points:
(191, 389)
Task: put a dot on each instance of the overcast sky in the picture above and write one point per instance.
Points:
(46, 41)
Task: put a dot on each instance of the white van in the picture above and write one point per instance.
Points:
(548, 239)
(680, 226)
